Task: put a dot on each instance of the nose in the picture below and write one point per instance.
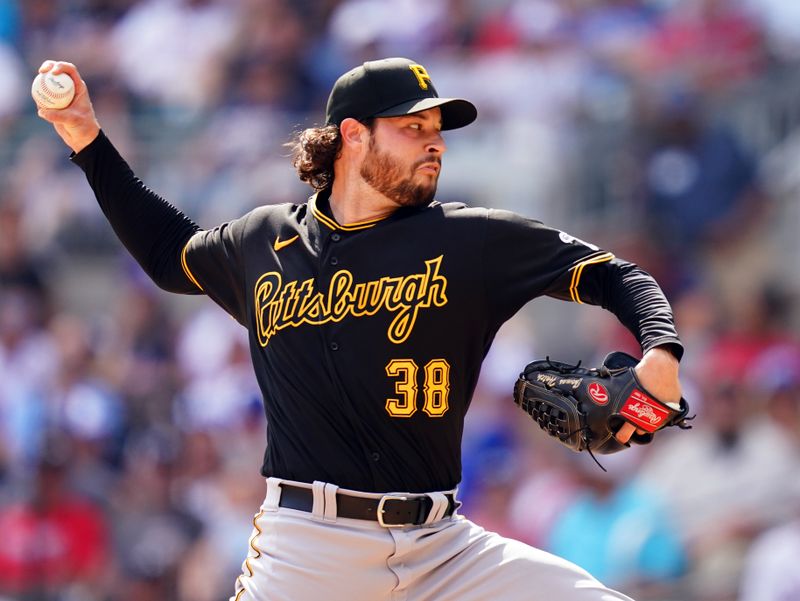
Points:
(436, 144)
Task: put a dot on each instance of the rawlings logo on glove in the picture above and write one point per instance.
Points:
(585, 407)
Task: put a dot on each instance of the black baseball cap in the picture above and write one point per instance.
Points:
(389, 88)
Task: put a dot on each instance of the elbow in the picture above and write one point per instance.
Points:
(171, 277)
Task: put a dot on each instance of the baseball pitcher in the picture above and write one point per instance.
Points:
(370, 307)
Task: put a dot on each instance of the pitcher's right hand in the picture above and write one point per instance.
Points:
(77, 124)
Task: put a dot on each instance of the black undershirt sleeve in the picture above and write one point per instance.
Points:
(152, 230)
(633, 295)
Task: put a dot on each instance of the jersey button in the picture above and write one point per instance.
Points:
(334, 261)
(375, 456)
(334, 346)
(335, 236)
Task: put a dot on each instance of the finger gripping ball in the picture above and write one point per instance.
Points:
(51, 91)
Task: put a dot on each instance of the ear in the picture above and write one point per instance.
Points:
(354, 133)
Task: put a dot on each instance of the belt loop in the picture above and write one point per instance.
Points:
(440, 504)
(318, 507)
(330, 502)
(273, 494)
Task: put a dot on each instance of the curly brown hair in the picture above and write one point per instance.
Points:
(313, 152)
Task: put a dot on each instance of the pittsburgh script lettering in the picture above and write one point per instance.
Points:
(294, 303)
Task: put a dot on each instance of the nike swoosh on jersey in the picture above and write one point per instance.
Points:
(279, 244)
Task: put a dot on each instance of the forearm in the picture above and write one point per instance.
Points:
(637, 300)
(152, 230)
(639, 303)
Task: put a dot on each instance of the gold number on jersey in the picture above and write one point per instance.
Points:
(436, 387)
(406, 387)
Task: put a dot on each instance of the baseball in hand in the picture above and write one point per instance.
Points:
(53, 91)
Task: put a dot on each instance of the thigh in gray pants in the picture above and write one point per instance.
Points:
(298, 555)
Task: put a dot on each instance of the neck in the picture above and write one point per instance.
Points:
(353, 200)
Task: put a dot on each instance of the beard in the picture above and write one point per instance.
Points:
(387, 176)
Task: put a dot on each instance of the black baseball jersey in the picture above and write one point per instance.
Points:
(367, 338)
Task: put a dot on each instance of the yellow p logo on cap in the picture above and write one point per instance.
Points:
(422, 75)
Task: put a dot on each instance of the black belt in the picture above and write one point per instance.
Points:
(388, 510)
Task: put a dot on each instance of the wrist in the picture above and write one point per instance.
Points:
(658, 374)
(662, 356)
(81, 139)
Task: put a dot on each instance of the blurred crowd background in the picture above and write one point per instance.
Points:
(668, 131)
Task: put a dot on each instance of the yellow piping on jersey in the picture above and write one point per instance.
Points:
(578, 270)
(253, 538)
(322, 217)
(185, 265)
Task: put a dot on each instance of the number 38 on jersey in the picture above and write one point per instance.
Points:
(435, 387)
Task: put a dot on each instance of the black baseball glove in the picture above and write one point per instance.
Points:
(585, 407)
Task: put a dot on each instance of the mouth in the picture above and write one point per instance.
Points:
(429, 168)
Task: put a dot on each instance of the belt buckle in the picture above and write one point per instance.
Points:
(381, 510)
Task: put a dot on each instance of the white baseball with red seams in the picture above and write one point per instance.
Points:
(51, 91)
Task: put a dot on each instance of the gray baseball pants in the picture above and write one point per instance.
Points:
(300, 556)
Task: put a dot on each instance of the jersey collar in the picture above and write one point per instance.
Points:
(319, 208)
(319, 205)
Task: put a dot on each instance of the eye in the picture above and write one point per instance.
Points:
(415, 126)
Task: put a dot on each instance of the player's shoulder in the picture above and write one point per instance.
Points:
(456, 218)
(273, 216)
(284, 210)
(495, 219)
(458, 211)
(260, 221)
